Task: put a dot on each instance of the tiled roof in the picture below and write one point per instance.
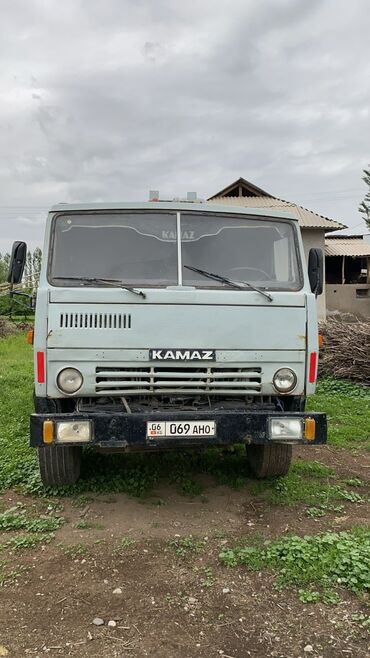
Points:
(347, 247)
(306, 218)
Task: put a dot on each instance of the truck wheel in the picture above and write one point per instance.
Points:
(59, 465)
(267, 461)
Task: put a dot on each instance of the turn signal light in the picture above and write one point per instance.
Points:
(48, 431)
(310, 429)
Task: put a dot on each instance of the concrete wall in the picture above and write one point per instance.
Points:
(315, 238)
(342, 297)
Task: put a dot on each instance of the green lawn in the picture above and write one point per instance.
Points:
(348, 409)
(17, 461)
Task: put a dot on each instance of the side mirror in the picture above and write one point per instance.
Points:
(316, 270)
(17, 262)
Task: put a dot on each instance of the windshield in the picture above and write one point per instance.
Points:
(140, 249)
(132, 247)
(255, 250)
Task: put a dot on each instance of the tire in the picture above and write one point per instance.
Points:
(59, 465)
(267, 461)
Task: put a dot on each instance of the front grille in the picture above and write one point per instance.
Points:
(173, 380)
(95, 321)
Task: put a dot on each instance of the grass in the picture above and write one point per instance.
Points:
(185, 545)
(18, 521)
(348, 407)
(125, 543)
(74, 551)
(309, 483)
(26, 541)
(88, 525)
(326, 561)
(10, 576)
(321, 510)
(18, 462)
(208, 579)
(35, 530)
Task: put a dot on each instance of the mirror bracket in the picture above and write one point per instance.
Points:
(29, 296)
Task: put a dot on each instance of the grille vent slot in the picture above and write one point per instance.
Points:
(95, 321)
(184, 381)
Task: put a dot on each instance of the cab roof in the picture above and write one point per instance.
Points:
(174, 206)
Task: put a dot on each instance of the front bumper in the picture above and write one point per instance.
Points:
(128, 431)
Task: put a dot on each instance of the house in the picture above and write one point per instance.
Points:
(314, 227)
(347, 261)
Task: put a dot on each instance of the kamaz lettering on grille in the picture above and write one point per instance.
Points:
(164, 354)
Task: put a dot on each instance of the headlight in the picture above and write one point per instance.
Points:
(69, 380)
(77, 431)
(286, 429)
(284, 380)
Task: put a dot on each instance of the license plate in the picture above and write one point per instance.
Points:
(184, 428)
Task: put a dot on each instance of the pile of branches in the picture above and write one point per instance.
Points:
(346, 350)
(8, 327)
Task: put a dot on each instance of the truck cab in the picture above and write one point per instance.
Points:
(173, 325)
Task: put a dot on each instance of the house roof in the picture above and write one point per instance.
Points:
(347, 246)
(243, 193)
(306, 218)
(244, 187)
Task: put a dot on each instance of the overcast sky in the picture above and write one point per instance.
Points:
(106, 99)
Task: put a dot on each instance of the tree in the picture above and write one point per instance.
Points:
(3, 270)
(28, 270)
(364, 207)
(36, 264)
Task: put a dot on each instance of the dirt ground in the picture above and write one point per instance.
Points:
(164, 604)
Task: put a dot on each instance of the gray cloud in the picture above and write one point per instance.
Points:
(106, 100)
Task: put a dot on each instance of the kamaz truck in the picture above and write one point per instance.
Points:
(173, 326)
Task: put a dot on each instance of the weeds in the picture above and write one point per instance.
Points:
(27, 541)
(353, 482)
(184, 545)
(125, 543)
(190, 487)
(19, 521)
(313, 469)
(351, 496)
(208, 578)
(362, 619)
(329, 560)
(323, 509)
(74, 551)
(10, 577)
(81, 501)
(88, 525)
(309, 483)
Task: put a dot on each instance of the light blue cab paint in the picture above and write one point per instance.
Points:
(78, 326)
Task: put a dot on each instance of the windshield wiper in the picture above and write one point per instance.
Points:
(235, 284)
(113, 283)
